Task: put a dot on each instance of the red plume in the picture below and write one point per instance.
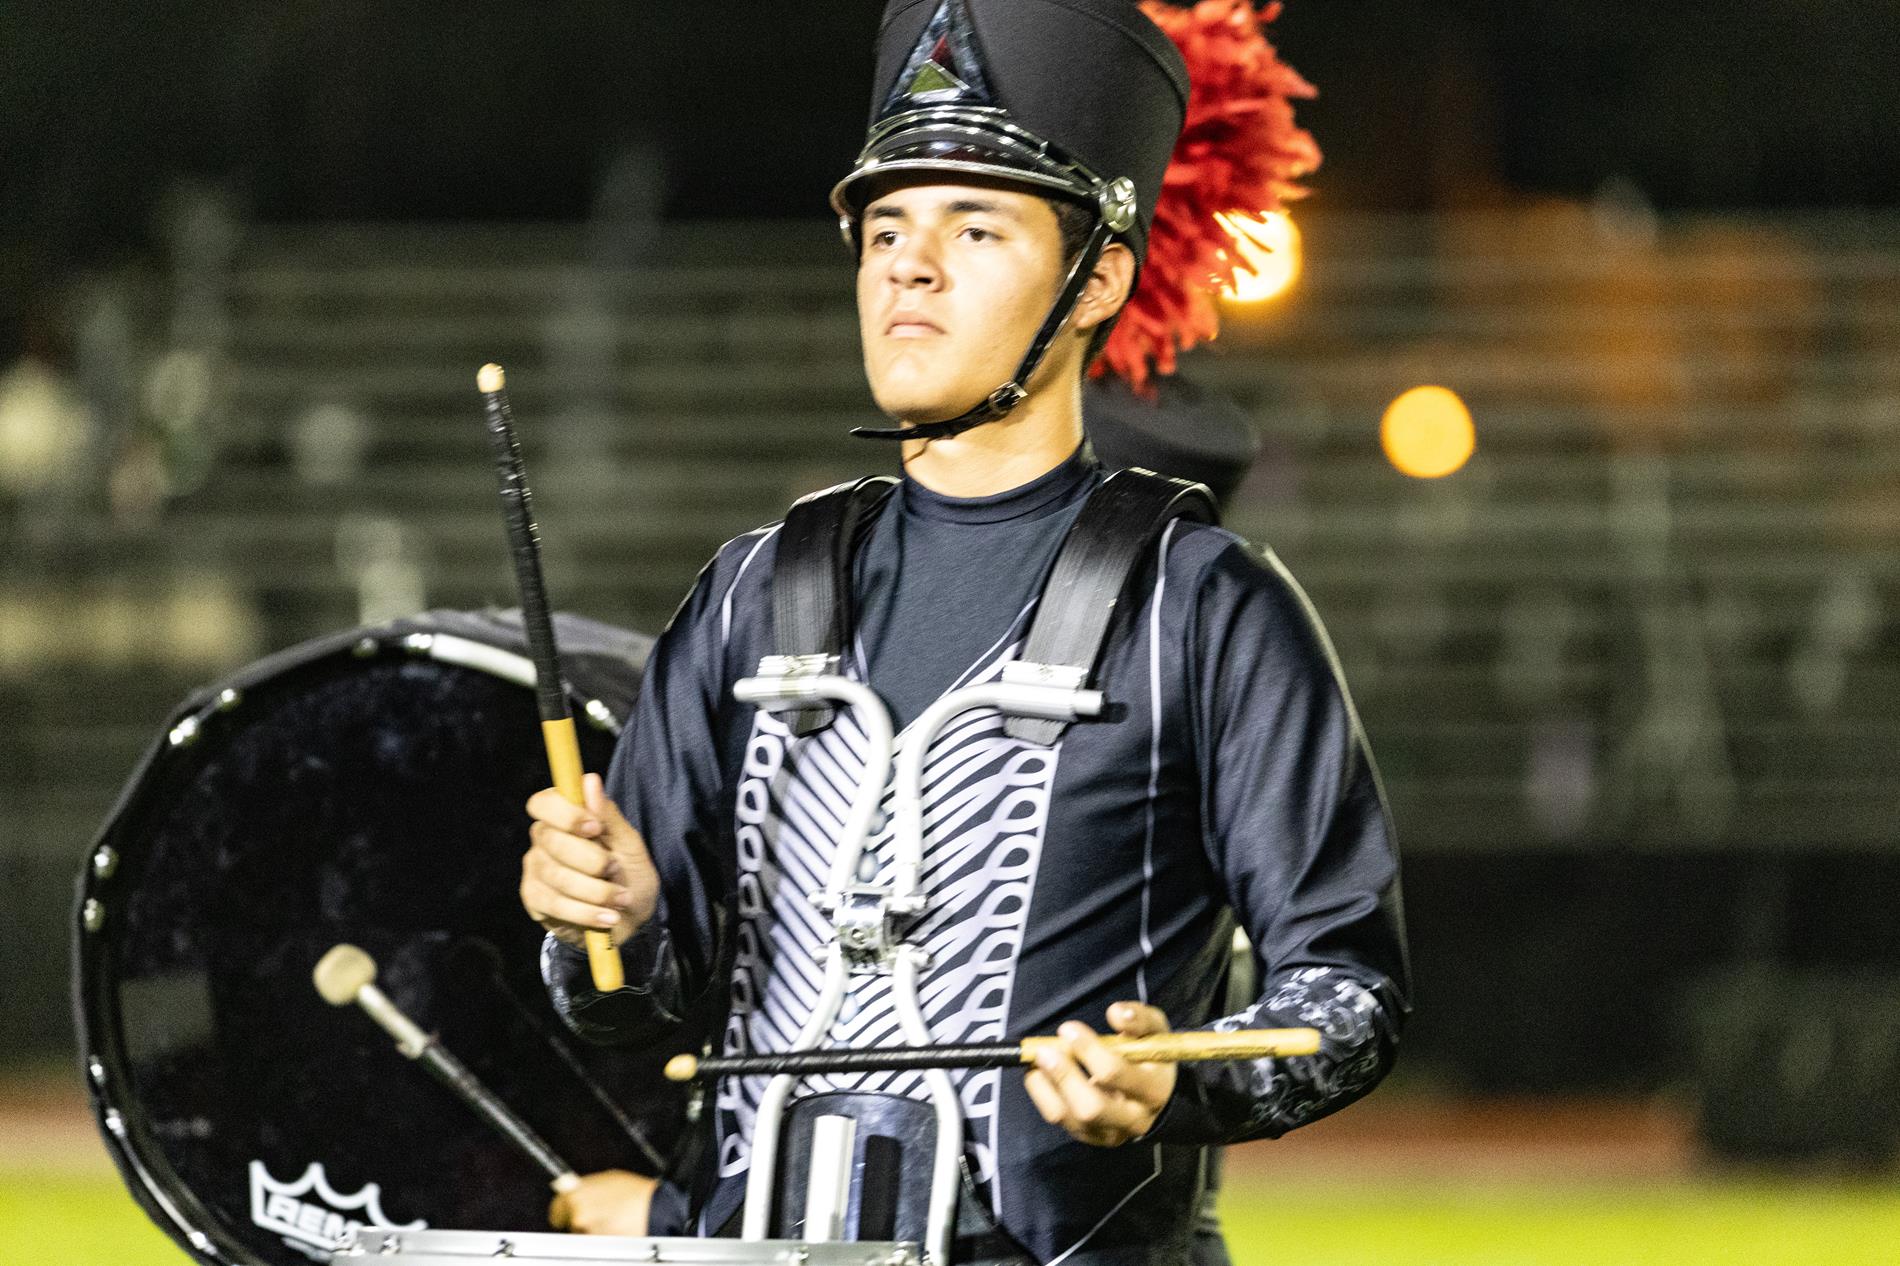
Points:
(1239, 151)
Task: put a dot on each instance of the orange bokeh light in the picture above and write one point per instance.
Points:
(1427, 432)
(1268, 246)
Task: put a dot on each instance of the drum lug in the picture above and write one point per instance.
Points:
(105, 861)
(93, 914)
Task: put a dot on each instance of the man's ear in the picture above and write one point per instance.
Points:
(1108, 286)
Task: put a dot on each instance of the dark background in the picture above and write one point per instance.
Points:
(485, 110)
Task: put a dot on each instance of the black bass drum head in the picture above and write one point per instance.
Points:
(364, 788)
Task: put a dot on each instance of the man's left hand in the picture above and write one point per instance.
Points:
(1082, 1085)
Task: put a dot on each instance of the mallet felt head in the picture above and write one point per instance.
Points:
(341, 974)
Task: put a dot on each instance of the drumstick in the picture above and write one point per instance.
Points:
(557, 724)
(347, 974)
(1159, 1048)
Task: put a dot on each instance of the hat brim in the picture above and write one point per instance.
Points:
(961, 143)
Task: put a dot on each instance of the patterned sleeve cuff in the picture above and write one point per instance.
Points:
(650, 999)
(1264, 1098)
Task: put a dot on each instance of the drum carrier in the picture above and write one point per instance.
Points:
(1043, 691)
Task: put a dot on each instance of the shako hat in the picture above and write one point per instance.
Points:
(1082, 98)
(1165, 119)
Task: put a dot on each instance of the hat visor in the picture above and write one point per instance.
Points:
(951, 151)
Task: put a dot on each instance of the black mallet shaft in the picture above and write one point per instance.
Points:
(1159, 1048)
(557, 724)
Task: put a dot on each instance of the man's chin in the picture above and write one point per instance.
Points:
(917, 409)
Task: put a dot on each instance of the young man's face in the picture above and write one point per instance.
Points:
(953, 282)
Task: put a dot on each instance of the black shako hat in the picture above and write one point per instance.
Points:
(1072, 96)
(1082, 99)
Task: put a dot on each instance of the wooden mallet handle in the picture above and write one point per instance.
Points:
(564, 762)
(1191, 1047)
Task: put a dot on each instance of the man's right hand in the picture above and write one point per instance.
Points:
(587, 869)
(611, 1202)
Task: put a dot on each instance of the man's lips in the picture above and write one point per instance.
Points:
(910, 325)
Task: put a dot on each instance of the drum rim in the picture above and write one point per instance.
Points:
(463, 1245)
(143, 1165)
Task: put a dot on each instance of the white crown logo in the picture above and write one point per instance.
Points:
(323, 1223)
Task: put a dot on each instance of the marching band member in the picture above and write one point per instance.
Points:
(1014, 191)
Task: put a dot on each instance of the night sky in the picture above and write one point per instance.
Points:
(430, 110)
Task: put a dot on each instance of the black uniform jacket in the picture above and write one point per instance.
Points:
(1227, 779)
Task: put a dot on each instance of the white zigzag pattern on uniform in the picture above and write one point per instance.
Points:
(986, 803)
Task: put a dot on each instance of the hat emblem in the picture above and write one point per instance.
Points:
(934, 78)
(943, 68)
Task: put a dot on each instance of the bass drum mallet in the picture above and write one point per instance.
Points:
(550, 692)
(347, 975)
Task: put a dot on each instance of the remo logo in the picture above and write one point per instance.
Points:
(311, 1215)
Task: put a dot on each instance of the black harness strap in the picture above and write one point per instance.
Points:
(1122, 519)
(811, 581)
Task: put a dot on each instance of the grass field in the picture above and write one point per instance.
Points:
(91, 1221)
(1403, 1181)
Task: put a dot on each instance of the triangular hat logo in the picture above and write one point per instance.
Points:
(944, 68)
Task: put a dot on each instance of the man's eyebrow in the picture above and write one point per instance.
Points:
(981, 206)
(957, 206)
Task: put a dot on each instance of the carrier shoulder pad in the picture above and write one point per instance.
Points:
(1123, 517)
(811, 580)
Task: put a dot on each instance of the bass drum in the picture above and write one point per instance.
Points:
(368, 788)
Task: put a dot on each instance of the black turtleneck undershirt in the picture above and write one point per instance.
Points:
(942, 581)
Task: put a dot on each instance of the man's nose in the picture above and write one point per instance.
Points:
(916, 264)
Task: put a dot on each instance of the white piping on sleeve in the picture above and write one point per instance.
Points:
(725, 604)
(1154, 757)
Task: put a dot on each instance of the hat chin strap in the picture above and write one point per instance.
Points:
(1005, 398)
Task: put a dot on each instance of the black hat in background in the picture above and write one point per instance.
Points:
(1081, 99)
(1184, 429)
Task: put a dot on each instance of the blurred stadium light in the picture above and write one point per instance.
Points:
(1427, 432)
(1270, 253)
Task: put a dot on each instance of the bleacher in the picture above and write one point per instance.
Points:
(1658, 607)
